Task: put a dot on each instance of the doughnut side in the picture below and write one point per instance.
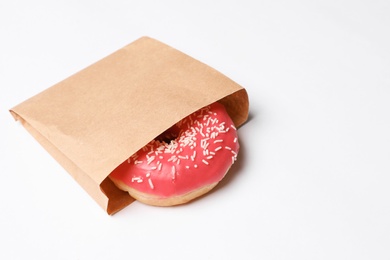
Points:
(154, 200)
(163, 201)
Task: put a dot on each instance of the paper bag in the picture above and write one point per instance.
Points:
(94, 120)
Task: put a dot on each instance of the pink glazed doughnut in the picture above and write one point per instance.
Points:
(183, 163)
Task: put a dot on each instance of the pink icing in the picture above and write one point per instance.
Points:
(204, 149)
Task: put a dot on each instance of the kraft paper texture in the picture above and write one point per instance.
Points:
(94, 120)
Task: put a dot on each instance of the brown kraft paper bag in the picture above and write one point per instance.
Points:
(94, 120)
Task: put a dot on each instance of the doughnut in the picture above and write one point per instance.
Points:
(184, 162)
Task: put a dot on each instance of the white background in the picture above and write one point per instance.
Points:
(312, 180)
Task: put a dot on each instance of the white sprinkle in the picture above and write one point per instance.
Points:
(228, 148)
(235, 140)
(173, 158)
(153, 168)
(148, 175)
(161, 157)
(204, 140)
(151, 184)
(209, 157)
(178, 161)
(232, 159)
(233, 152)
(208, 121)
(205, 162)
(136, 179)
(173, 171)
(193, 156)
(212, 153)
(195, 165)
(218, 141)
(150, 159)
(159, 166)
(183, 157)
(187, 166)
(128, 160)
(137, 162)
(218, 148)
(232, 126)
(204, 144)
